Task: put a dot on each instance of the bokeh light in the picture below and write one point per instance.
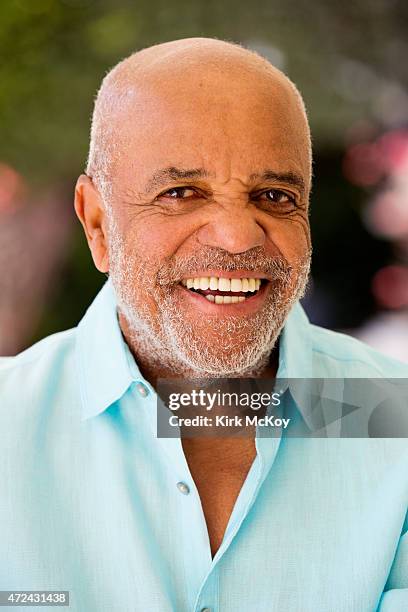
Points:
(390, 286)
(12, 188)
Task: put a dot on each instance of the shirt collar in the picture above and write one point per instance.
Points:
(295, 346)
(106, 367)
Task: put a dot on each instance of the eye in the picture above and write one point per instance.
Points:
(276, 195)
(277, 199)
(178, 193)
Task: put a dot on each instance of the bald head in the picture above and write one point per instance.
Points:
(190, 74)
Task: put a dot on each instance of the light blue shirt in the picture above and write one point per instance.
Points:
(91, 500)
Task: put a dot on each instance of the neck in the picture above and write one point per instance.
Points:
(149, 358)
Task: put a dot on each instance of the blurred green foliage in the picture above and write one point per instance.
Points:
(54, 54)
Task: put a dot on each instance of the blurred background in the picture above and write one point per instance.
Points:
(349, 60)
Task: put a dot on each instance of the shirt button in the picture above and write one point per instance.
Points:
(205, 610)
(183, 488)
(142, 389)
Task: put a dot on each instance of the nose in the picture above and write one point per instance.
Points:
(233, 231)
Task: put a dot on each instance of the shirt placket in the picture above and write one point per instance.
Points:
(266, 450)
(201, 569)
(194, 542)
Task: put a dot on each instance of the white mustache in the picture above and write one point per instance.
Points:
(255, 260)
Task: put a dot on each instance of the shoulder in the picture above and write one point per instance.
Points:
(35, 377)
(44, 350)
(339, 354)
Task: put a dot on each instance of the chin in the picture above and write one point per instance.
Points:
(223, 359)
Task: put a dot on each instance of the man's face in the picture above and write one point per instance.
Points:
(209, 240)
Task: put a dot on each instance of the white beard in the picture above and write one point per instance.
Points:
(170, 340)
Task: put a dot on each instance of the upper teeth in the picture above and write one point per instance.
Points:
(222, 284)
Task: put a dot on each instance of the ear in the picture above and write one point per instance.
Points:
(91, 213)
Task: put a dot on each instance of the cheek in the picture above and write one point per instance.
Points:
(291, 236)
(157, 238)
(149, 242)
(152, 239)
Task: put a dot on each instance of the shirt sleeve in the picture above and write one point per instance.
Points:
(395, 595)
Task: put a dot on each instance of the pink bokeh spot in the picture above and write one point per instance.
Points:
(394, 151)
(388, 214)
(390, 286)
(366, 163)
(11, 188)
(362, 164)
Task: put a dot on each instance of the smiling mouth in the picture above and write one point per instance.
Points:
(223, 290)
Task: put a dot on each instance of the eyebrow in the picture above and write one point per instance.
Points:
(290, 178)
(163, 176)
(171, 173)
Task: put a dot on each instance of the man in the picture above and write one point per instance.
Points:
(195, 203)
